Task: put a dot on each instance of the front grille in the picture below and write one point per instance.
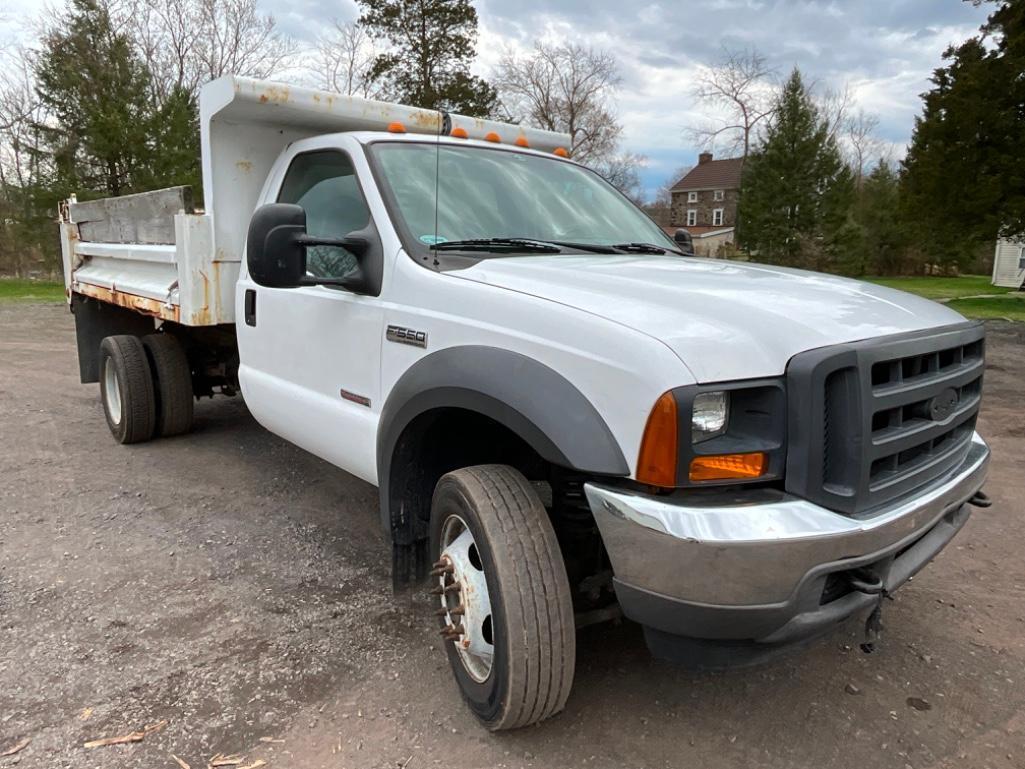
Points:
(873, 421)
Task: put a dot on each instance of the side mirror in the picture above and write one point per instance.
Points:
(274, 253)
(276, 249)
(684, 241)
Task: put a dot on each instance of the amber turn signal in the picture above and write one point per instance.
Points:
(656, 463)
(728, 467)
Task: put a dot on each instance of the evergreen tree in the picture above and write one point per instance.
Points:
(796, 191)
(97, 93)
(433, 44)
(963, 181)
(877, 211)
(175, 137)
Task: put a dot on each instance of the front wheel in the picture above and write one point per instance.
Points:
(506, 614)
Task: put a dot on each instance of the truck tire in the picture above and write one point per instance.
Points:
(172, 379)
(126, 389)
(503, 589)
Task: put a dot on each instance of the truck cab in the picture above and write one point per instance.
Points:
(568, 418)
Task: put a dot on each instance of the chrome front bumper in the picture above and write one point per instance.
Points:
(763, 550)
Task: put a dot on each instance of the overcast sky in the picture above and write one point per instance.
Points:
(885, 49)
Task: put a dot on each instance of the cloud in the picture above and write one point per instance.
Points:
(885, 50)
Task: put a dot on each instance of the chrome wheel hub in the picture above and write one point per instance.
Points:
(465, 603)
(112, 391)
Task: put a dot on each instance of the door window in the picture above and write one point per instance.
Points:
(324, 184)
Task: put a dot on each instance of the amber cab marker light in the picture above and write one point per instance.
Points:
(491, 136)
(561, 152)
(459, 133)
(729, 467)
(521, 141)
(656, 463)
(396, 128)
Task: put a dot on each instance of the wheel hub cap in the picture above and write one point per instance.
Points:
(112, 392)
(465, 603)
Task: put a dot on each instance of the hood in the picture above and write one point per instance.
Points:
(725, 320)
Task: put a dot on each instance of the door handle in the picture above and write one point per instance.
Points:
(250, 307)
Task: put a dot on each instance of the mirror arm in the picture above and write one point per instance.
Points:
(356, 245)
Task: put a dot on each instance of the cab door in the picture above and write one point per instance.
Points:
(310, 356)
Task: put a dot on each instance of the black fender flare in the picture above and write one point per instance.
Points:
(532, 400)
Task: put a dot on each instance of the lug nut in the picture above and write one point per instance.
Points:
(452, 588)
(459, 611)
(443, 567)
(451, 632)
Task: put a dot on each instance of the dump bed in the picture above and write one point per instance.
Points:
(151, 253)
(155, 253)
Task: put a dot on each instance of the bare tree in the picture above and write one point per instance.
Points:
(185, 43)
(835, 106)
(343, 60)
(566, 88)
(238, 39)
(861, 142)
(622, 171)
(740, 87)
(167, 34)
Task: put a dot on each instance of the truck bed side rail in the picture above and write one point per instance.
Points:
(152, 253)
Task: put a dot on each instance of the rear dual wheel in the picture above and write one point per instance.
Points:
(145, 387)
(172, 380)
(126, 389)
(506, 615)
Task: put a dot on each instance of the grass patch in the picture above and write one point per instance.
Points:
(21, 290)
(1009, 307)
(943, 288)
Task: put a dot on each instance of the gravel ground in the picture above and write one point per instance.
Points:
(225, 592)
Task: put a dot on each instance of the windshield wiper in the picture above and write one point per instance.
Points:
(533, 245)
(508, 245)
(593, 248)
(645, 248)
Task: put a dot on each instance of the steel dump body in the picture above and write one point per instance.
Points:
(155, 254)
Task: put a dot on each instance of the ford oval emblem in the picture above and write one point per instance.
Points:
(943, 404)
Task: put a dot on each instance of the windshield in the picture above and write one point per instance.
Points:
(485, 194)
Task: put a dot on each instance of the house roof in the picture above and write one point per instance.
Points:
(712, 175)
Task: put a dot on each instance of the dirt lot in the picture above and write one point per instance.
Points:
(237, 588)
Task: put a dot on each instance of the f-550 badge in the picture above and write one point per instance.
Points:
(406, 336)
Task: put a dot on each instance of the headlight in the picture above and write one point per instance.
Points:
(737, 435)
(710, 416)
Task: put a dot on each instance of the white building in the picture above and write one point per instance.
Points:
(1009, 264)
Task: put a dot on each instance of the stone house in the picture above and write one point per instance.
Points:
(704, 202)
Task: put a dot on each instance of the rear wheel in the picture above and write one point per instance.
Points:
(126, 389)
(172, 378)
(506, 615)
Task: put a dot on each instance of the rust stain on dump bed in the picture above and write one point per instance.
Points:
(277, 94)
(426, 119)
(142, 304)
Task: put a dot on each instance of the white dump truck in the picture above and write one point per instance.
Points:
(566, 416)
